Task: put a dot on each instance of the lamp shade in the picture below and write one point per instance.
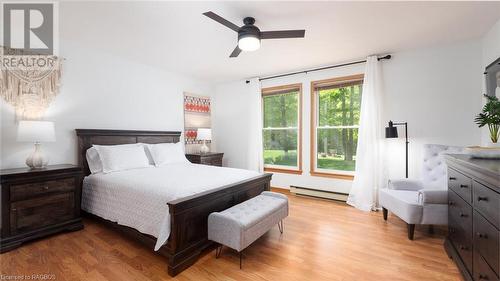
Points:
(391, 131)
(36, 131)
(204, 134)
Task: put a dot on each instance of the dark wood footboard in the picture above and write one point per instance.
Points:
(188, 221)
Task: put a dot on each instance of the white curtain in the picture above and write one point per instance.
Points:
(369, 164)
(255, 145)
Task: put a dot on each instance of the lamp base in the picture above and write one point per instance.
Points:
(37, 159)
(204, 147)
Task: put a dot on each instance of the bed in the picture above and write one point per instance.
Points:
(188, 208)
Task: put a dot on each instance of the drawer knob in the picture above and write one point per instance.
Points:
(46, 187)
(480, 235)
(451, 203)
(484, 277)
(480, 198)
(463, 215)
(463, 247)
(453, 178)
(463, 186)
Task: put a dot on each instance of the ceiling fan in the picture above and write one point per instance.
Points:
(249, 35)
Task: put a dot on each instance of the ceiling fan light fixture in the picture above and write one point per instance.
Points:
(249, 43)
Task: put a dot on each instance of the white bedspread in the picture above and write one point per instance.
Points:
(138, 198)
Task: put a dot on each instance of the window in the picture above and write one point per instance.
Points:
(335, 109)
(282, 128)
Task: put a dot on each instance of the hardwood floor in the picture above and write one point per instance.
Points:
(323, 240)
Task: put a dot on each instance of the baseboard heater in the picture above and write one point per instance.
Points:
(306, 191)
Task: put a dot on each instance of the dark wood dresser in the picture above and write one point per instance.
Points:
(36, 203)
(210, 158)
(473, 240)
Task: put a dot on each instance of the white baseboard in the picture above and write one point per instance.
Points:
(318, 193)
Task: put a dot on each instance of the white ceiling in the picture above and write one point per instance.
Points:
(177, 37)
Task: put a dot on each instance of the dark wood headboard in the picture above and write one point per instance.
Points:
(89, 137)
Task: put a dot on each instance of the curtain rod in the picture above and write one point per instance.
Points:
(386, 57)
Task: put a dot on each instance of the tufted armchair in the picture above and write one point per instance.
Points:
(421, 201)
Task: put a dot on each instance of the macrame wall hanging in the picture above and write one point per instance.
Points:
(29, 82)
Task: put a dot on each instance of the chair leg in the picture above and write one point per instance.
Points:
(280, 226)
(384, 211)
(411, 230)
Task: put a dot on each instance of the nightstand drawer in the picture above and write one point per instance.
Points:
(212, 158)
(461, 184)
(39, 212)
(486, 241)
(214, 161)
(31, 190)
(487, 202)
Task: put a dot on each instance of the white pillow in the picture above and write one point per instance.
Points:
(93, 160)
(168, 153)
(147, 149)
(122, 157)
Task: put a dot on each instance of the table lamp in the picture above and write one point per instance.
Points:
(204, 135)
(36, 132)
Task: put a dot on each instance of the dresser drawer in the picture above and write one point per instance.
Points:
(461, 184)
(486, 241)
(459, 210)
(462, 241)
(39, 212)
(31, 190)
(487, 202)
(481, 269)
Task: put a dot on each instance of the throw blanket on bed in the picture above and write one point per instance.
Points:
(138, 198)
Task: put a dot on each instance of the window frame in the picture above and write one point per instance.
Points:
(332, 82)
(269, 91)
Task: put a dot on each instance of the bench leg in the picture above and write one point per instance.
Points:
(240, 257)
(218, 250)
(411, 230)
(431, 229)
(280, 226)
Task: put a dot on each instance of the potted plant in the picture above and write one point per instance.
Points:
(490, 116)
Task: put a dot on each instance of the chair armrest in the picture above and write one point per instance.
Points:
(405, 184)
(433, 196)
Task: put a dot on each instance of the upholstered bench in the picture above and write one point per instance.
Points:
(242, 224)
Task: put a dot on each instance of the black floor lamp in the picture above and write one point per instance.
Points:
(392, 132)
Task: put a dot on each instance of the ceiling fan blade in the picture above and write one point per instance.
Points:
(222, 20)
(235, 52)
(282, 34)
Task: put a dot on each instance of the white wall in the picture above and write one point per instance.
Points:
(436, 90)
(491, 44)
(100, 90)
(490, 52)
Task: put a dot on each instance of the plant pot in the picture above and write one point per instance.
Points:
(493, 144)
(486, 152)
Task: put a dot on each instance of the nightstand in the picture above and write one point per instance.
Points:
(211, 158)
(36, 203)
